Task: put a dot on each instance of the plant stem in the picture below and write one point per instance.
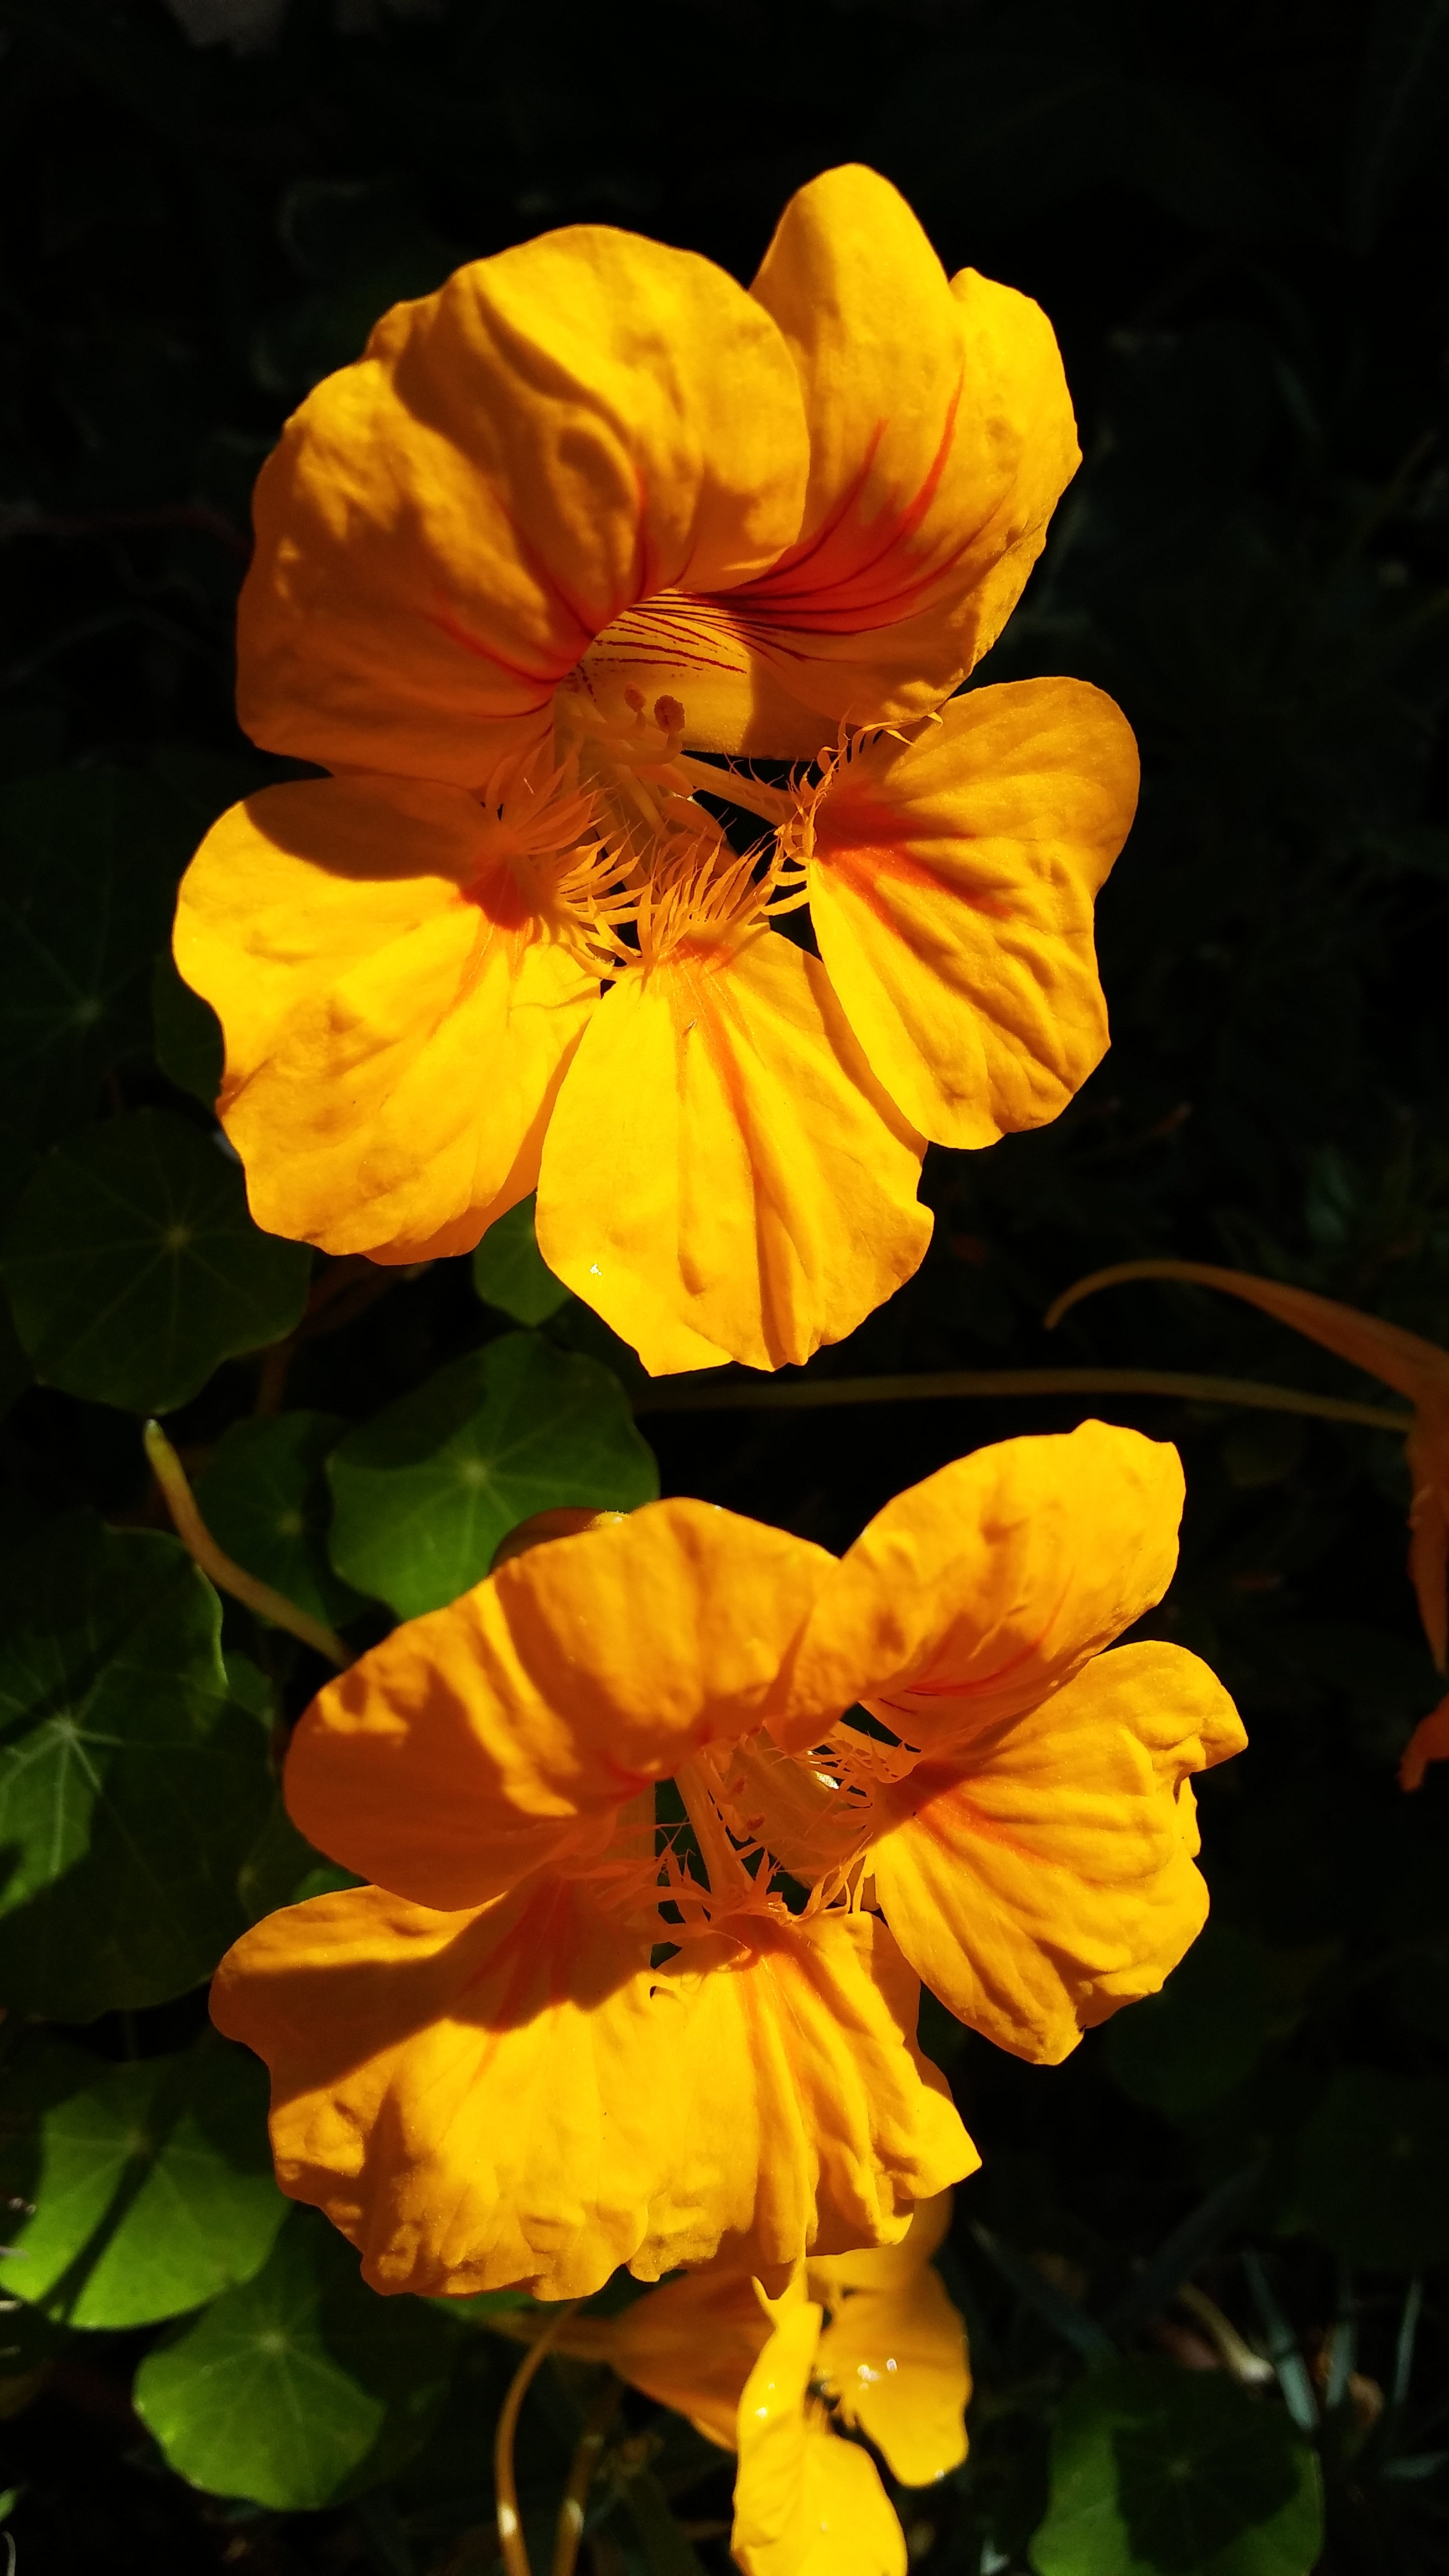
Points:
(581, 2477)
(768, 1395)
(194, 1535)
(505, 2484)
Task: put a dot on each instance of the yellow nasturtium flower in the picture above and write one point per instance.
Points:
(588, 511)
(869, 2342)
(580, 2020)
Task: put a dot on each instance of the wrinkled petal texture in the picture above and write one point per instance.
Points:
(895, 2360)
(974, 1594)
(885, 2267)
(813, 2122)
(1050, 1878)
(806, 2503)
(504, 1733)
(941, 437)
(723, 1177)
(951, 892)
(558, 432)
(396, 1022)
(477, 2101)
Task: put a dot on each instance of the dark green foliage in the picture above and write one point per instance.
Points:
(152, 2183)
(301, 2385)
(1163, 2472)
(134, 1269)
(131, 1784)
(265, 1498)
(425, 1492)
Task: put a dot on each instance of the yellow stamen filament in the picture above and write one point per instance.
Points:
(229, 1577)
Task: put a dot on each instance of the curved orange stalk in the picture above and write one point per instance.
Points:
(1405, 1361)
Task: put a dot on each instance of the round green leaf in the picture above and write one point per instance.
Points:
(1182, 2049)
(88, 866)
(131, 1786)
(1372, 2168)
(151, 2182)
(1163, 2472)
(425, 1492)
(186, 1033)
(265, 1498)
(134, 1268)
(510, 1272)
(303, 2386)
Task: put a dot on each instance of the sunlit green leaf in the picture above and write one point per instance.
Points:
(151, 2181)
(131, 1785)
(1372, 2166)
(265, 1498)
(1183, 2048)
(302, 2386)
(88, 864)
(1157, 2471)
(425, 1492)
(134, 1268)
(510, 1272)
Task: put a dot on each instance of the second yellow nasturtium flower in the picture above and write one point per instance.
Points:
(589, 511)
(665, 1820)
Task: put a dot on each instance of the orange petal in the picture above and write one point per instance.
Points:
(806, 2503)
(476, 2100)
(1051, 1879)
(560, 431)
(692, 2346)
(723, 1176)
(951, 892)
(812, 2121)
(971, 1596)
(396, 1021)
(895, 2360)
(505, 1732)
(1427, 1450)
(941, 437)
(1428, 1743)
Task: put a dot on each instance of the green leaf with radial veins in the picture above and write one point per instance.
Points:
(510, 1272)
(88, 867)
(1157, 2471)
(303, 2386)
(425, 1492)
(134, 1268)
(151, 2182)
(131, 1785)
(264, 1496)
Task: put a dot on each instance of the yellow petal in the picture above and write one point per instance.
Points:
(951, 892)
(397, 1022)
(971, 1596)
(692, 2346)
(806, 2503)
(559, 432)
(476, 2100)
(812, 2121)
(885, 2267)
(895, 2360)
(1050, 1878)
(505, 1732)
(941, 437)
(723, 1177)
